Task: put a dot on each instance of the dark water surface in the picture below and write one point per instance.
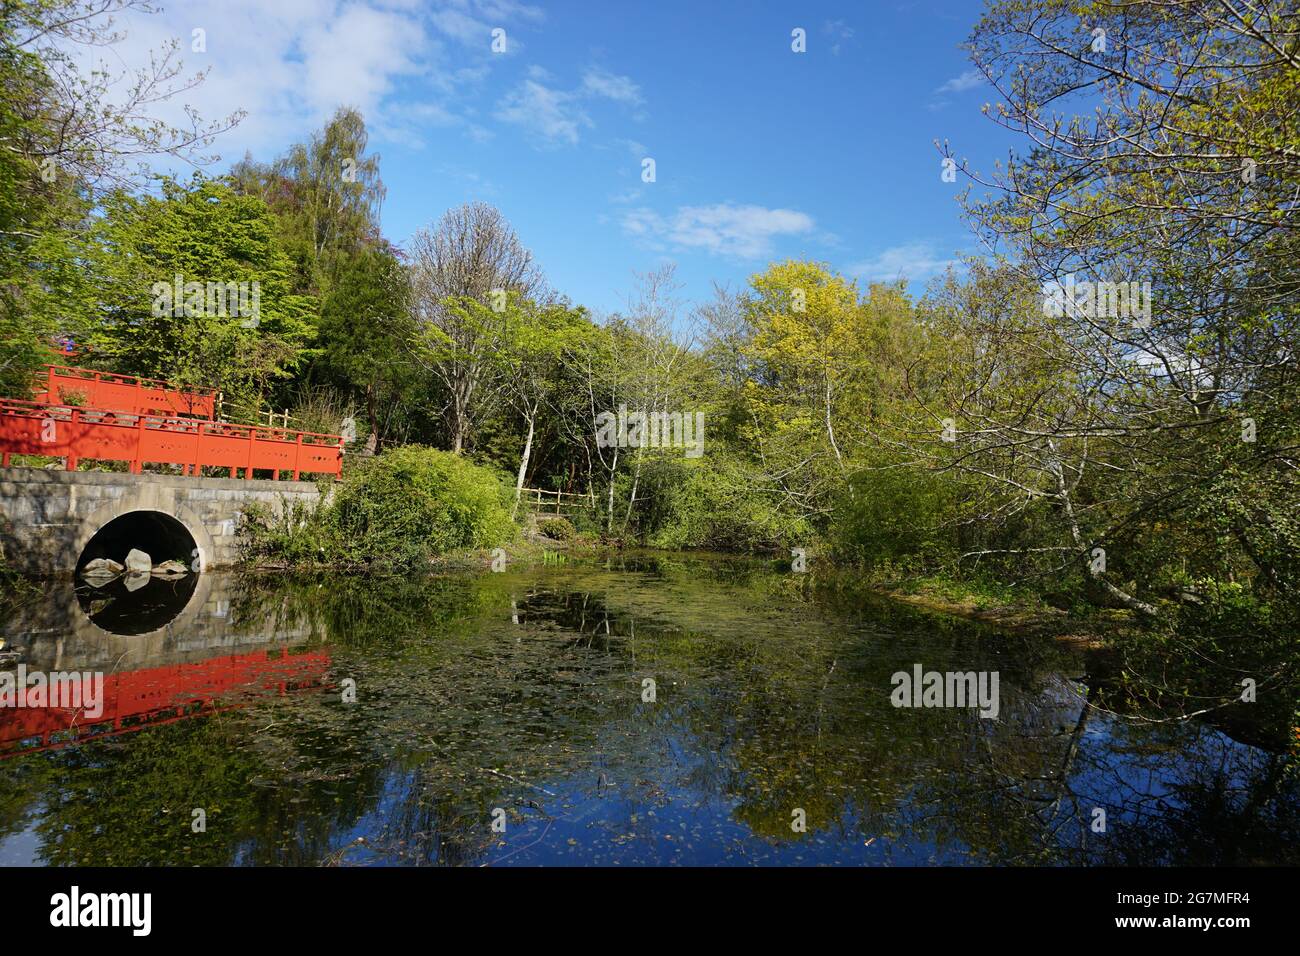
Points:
(523, 693)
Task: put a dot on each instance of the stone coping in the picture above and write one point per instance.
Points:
(57, 476)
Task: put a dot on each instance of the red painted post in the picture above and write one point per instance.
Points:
(70, 460)
(252, 443)
(4, 460)
(137, 466)
(297, 456)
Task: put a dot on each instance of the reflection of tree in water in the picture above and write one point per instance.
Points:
(475, 691)
(1183, 795)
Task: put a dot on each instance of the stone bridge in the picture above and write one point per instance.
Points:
(55, 521)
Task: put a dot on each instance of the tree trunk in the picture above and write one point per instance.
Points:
(523, 462)
(1123, 597)
(372, 440)
(609, 519)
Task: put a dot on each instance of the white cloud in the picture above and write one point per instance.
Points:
(355, 57)
(461, 26)
(839, 32)
(506, 10)
(559, 115)
(598, 82)
(913, 261)
(725, 229)
(960, 84)
(290, 64)
(552, 113)
(472, 23)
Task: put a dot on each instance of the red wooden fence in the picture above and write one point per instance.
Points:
(122, 393)
(61, 431)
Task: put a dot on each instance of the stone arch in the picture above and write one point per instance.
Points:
(132, 504)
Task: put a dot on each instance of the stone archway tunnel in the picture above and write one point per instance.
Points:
(55, 521)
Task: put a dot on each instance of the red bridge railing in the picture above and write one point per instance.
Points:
(83, 387)
(71, 433)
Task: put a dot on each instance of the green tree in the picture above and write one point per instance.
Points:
(326, 194)
(367, 336)
(66, 135)
(208, 235)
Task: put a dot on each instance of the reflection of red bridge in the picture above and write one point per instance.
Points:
(81, 413)
(135, 700)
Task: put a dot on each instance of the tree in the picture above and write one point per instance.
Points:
(535, 342)
(653, 355)
(1174, 181)
(326, 194)
(235, 325)
(464, 273)
(367, 335)
(66, 136)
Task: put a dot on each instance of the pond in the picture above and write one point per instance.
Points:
(636, 709)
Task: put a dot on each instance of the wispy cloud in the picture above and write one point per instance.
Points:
(472, 23)
(724, 229)
(968, 80)
(598, 82)
(558, 116)
(840, 34)
(914, 261)
(554, 114)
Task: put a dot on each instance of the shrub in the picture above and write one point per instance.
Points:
(557, 529)
(898, 516)
(413, 502)
(399, 508)
(711, 503)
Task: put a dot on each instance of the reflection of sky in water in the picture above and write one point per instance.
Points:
(602, 822)
(768, 700)
(21, 848)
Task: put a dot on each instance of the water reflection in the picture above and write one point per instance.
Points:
(524, 691)
(136, 604)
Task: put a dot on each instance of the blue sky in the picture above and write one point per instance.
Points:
(760, 153)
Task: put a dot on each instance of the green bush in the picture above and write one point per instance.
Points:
(292, 533)
(557, 529)
(899, 516)
(398, 509)
(710, 503)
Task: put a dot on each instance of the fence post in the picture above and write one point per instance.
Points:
(70, 459)
(138, 464)
(297, 456)
(252, 443)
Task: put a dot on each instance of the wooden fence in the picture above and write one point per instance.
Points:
(562, 503)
